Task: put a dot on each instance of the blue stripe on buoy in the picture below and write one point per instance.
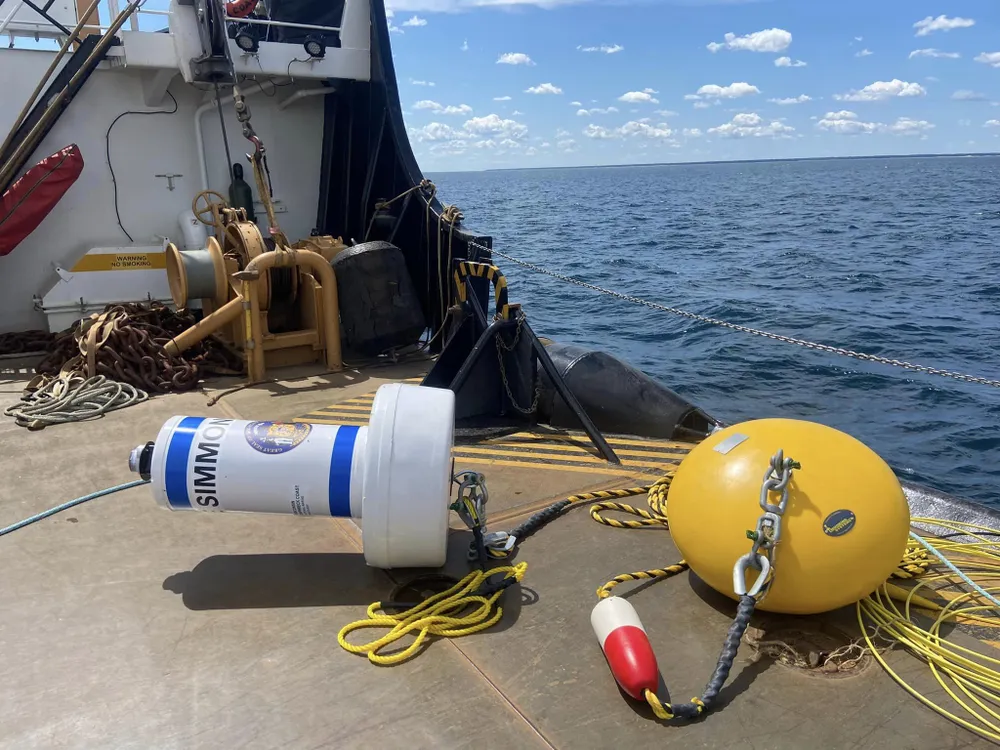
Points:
(340, 471)
(178, 451)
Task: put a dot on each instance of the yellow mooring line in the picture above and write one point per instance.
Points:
(544, 448)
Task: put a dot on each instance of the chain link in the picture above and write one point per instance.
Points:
(768, 532)
(501, 348)
(746, 329)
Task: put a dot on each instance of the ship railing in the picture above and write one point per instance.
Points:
(50, 26)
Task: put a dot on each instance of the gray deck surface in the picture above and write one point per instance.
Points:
(128, 626)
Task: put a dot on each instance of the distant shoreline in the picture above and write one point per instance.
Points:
(741, 161)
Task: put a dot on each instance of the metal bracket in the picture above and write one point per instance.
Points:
(170, 180)
(468, 365)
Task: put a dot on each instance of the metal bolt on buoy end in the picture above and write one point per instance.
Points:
(140, 460)
(134, 457)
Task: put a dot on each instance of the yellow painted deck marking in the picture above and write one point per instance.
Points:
(560, 451)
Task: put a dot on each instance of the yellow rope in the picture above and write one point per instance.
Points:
(438, 615)
(965, 675)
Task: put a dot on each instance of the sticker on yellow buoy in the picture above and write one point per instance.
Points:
(843, 532)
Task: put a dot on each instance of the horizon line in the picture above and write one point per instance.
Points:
(732, 161)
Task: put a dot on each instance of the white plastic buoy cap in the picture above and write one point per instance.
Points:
(407, 477)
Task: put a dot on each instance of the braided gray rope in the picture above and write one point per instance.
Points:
(753, 331)
(73, 399)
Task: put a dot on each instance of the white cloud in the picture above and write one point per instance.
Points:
(560, 133)
(702, 105)
(965, 95)
(491, 132)
(643, 128)
(516, 112)
(846, 122)
(787, 62)
(393, 29)
(638, 97)
(941, 23)
(389, 13)
(864, 53)
(665, 112)
(607, 49)
(750, 124)
(859, 38)
(768, 40)
(881, 90)
(531, 151)
(732, 91)
(415, 21)
(501, 98)
(596, 111)
(465, 46)
(907, 126)
(692, 132)
(495, 125)
(575, 104)
(992, 124)
(461, 109)
(800, 99)
(422, 83)
(990, 58)
(931, 52)
(435, 131)
(567, 145)
(514, 58)
(543, 88)
(598, 132)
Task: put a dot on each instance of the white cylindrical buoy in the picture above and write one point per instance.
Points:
(625, 645)
(395, 473)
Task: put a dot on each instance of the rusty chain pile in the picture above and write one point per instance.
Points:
(25, 342)
(126, 343)
(112, 360)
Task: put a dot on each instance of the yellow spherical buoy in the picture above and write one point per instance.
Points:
(843, 532)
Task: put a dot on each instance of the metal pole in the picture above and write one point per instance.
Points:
(6, 22)
(569, 398)
(52, 66)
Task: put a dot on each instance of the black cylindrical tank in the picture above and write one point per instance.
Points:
(379, 308)
(617, 397)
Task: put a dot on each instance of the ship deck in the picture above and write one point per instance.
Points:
(128, 626)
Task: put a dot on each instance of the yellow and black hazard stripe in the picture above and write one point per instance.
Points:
(493, 274)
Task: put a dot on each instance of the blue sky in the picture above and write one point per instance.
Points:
(632, 82)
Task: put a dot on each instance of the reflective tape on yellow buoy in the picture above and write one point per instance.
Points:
(843, 532)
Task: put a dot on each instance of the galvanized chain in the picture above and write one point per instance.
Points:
(501, 348)
(746, 329)
(768, 532)
(471, 508)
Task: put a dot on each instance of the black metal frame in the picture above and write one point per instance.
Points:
(475, 378)
(44, 13)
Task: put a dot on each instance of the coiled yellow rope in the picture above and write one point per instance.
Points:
(438, 615)
(969, 678)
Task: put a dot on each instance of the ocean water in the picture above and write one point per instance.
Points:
(896, 257)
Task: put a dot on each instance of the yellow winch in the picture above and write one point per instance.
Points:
(844, 528)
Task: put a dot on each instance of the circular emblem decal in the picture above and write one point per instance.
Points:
(276, 437)
(839, 523)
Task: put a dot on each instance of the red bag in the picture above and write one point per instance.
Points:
(30, 198)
